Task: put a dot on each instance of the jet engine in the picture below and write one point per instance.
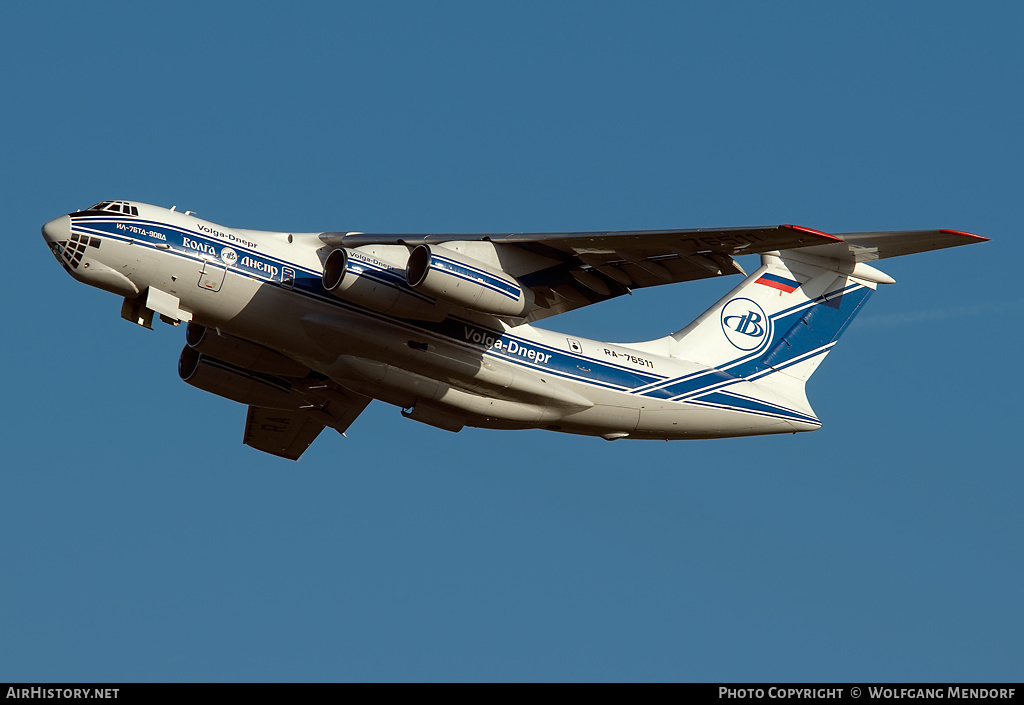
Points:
(466, 282)
(236, 383)
(241, 353)
(366, 280)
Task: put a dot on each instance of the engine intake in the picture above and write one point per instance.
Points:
(231, 382)
(467, 282)
(366, 280)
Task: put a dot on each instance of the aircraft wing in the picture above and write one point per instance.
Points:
(870, 246)
(283, 433)
(575, 269)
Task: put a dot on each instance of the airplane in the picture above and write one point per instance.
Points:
(307, 328)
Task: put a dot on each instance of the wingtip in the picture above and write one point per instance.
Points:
(819, 233)
(962, 233)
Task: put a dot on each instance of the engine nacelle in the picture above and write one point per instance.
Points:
(241, 353)
(467, 282)
(231, 382)
(366, 280)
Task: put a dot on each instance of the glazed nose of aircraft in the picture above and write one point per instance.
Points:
(57, 230)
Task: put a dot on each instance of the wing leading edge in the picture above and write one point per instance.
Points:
(581, 268)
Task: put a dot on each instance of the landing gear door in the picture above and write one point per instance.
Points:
(212, 276)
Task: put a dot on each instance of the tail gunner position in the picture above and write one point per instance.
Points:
(307, 328)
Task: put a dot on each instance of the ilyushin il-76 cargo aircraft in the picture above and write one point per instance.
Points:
(307, 328)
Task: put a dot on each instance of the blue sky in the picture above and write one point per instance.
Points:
(140, 540)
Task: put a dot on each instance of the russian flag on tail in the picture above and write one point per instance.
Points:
(777, 282)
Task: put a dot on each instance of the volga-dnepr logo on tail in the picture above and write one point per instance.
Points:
(745, 324)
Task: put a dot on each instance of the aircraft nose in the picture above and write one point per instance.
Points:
(57, 230)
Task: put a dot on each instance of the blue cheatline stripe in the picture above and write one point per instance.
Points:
(308, 282)
(747, 402)
(387, 277)
(756, 412)
(695, 388)
(143, 223)
(657, 386)
(359, 268)
(562, 364)
(476, 276)
(748, 408)
(789, 363)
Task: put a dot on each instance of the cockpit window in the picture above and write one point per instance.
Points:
(116, 207)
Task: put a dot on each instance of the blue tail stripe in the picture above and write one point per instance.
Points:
(819, 326)
(809, 328)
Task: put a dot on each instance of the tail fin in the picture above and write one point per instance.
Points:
(781, 322)
(784, 318)
(764, 340)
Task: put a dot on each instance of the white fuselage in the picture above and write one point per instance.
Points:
(466, 368)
